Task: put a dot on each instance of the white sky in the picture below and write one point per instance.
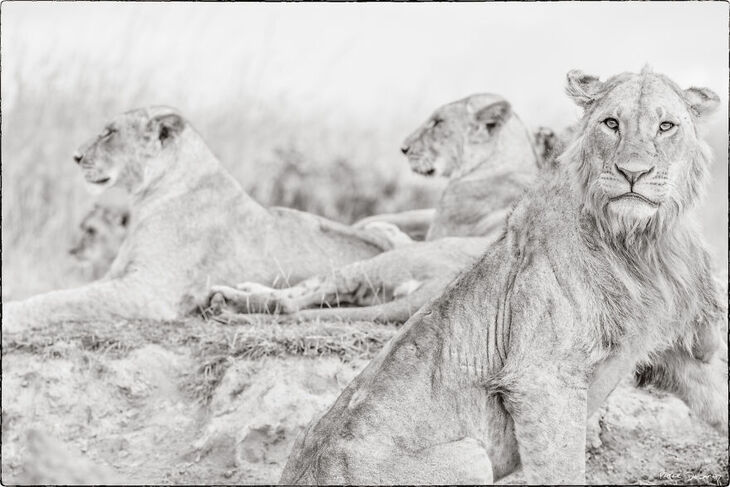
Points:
(372, 60)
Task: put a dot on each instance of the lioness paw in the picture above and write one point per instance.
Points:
(217, 304)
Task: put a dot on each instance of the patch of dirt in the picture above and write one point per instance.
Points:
(200, 402)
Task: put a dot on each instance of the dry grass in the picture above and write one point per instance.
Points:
(212, 345)
(215, 353)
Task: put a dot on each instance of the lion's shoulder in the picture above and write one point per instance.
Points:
(548, 213)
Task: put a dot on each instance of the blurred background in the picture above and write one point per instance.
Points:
(307, 104)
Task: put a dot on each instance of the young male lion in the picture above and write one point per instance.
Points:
(191, 224)
(600, 269)
(486, 151)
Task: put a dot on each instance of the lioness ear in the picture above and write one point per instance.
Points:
(494, 115)
(702, 101)
(167, 126)
(583, 88)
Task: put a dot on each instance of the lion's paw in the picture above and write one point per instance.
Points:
(217, 304)
(256, 299)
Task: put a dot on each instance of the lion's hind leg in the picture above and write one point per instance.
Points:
(251, 297)
(409, 298)
(361, 284)
(241, 301)
(463, 461)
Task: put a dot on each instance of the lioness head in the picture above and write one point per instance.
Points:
(460, 135)
(639, 158)
(101, 234)
(127, 152)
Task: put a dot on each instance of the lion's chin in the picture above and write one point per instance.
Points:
(632, 208)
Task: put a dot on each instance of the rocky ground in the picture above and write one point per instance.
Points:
(204, 402)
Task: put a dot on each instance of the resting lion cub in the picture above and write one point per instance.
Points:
(600, 269)
(191, 224)
(101, 233)
(486, 151)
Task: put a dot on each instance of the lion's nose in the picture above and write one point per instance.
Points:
(632, 176)
(404, 149)
(78, 157)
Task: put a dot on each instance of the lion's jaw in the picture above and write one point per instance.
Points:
(639, 177)
(96, 182)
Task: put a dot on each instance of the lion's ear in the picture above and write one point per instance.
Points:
(583, 88)
(494, 115)
(167, 126)
(702, 101)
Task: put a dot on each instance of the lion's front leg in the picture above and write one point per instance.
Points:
(550, 426)
(702, 385)
(697, 374)
(100, 300)
(459, 462)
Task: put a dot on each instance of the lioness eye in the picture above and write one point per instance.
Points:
(611, 123)
(664, 126)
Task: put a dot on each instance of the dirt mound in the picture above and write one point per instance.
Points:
(200, 402)
(260, 407)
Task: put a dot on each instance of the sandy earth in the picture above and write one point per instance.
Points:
(76, 413)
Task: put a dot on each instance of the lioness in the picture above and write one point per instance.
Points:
(600, 269)
(482, 145)
(191, 224)
(103, 229)
(459, 141)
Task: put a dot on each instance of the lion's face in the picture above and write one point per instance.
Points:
(456, 134)
(125, 152)
(641, 156)
(101, 234)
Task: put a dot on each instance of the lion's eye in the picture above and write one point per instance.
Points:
(665, 126)
(107, 132)
(611, 123)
